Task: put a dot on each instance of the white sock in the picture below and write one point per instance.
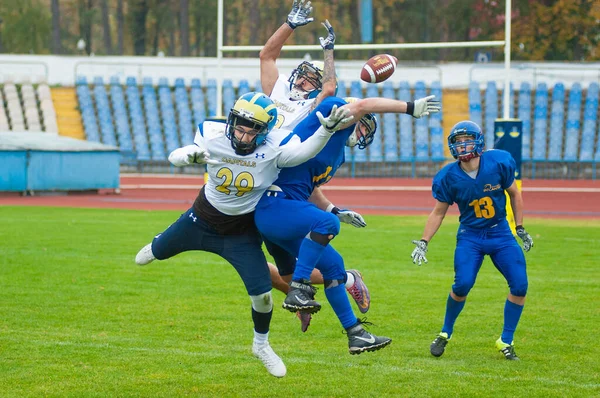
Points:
(261, 338)
(350, 280)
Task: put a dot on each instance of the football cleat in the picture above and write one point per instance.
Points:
(145, 255)
(507, 349)
(301, 298)
(438, 346)
(304, 320)
(359, 340)
(272, 362)
(359, 291)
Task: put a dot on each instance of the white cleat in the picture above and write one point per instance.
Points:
(145, 255)
(272, 362)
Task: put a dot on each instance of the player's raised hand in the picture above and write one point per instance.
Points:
(338, 118)
(300, 14)
(423, 107)
(418, 255)
(328, 42)
(525, 237)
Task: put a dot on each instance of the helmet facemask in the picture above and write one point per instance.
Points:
(310, 73)
(472, 148)
(364, 132)
(255, 128)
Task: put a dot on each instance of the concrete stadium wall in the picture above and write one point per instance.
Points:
(61, 70)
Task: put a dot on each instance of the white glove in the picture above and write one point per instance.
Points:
(525, 237)
(191, 154)
(418, 255)
(348, 216)
(423, 107)
(299, 15)
(338, 118)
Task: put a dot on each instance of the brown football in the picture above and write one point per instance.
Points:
(378, 68)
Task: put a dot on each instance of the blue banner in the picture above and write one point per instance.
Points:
(508, 136)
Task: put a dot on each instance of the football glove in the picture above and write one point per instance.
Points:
(525, 237)
(418, 255)
(349, 217)
(338, 118)
(328, 42)
(299, 16)
(423, 107)
(191, 154)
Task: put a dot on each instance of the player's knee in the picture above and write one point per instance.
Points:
(262, 303)
(331, 283)
(519, 289)
(329, 224)
(322, 239)
(462, 289)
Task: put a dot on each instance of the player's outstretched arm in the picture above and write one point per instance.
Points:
(190, 154)
(347, 216)
(298, 16)
(329, 78)
(434, 221)
(296, 152)
(516, 203)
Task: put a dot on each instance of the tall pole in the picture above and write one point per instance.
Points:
(220, 58)
(507, 21)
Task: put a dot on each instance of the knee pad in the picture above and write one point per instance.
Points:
(333, 283)
(519, 290)
(262, 303)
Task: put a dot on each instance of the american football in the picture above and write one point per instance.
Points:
(378, 68)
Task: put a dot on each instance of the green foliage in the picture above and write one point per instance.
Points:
(79, 318)
(26, 26)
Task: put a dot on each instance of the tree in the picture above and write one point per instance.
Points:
(138, 13)
(184, 27)
(120, 27)
(106, 27)
(56, 47)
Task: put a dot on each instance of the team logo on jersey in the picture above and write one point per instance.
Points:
(283, 106)
(260, 155)
(490, 187)
(193, 217)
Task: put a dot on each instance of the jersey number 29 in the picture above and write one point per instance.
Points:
(243, 182)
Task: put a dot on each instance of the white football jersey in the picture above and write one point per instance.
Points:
(237, 182)
(289, 113)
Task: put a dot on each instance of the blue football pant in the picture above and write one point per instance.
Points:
(244, 252)
(504, 251)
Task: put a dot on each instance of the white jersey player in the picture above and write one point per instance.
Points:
(244, 158)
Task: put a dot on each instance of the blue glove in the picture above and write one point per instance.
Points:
(299, 16)
(328, 42)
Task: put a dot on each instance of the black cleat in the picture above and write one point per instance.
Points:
(359, 340)
(507, 349)
(438, 346)
(301, 297)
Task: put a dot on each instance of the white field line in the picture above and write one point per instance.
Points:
(363, 188)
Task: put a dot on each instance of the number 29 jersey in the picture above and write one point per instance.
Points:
(481, 200)
(237, 182)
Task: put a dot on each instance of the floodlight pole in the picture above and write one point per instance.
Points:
(220, 58)
(507, 21)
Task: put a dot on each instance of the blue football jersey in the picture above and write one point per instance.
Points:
(300, 181)
(481, 200)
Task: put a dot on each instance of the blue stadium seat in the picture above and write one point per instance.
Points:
(421, 129)
(342, 91)
(179, 82)
(228, 96)
(120, 115)
(258, 86)
(572, 128)
(524, 113)
(243, 88)
(475, 108)
(436, 132)
(407, 152)
(389, 124)
(588, 133)
(105, 119)
(540, 122)
(491, 113)
(375, 149)
(157, 147)
(557, 116)
(198, 102)
(136, 115)
(168, 116)
(184, 113)
(211, 96)
(356, 91)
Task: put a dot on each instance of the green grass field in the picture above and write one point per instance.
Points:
(78, 317)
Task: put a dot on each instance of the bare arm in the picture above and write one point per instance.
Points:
(516, 203)
(435, 220)
(268, 58)
(318, 199)
(329, 79)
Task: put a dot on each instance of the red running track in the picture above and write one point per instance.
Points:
(543, 198)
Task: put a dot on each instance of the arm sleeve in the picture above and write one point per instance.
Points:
(508, 167)
(440, 192)
(199, 137)
(295, 152)
(179, 157)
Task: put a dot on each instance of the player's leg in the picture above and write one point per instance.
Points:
(183, 235)
(244, 252)
(510, 261)
(331, 266)
(468, 258)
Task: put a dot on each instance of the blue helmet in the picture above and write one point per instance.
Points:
(466, 128)
(256, 111)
